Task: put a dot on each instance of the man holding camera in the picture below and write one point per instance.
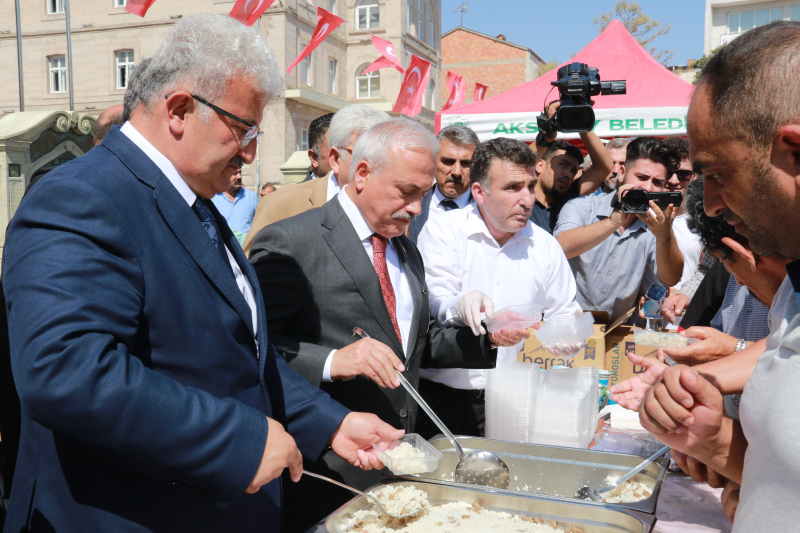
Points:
(557, 167)
(612, 254)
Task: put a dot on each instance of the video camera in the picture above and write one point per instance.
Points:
(576, 83)
(638, 201)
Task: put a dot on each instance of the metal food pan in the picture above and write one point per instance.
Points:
(551, 471)
(588, 517)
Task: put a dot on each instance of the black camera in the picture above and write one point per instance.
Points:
(638, 201)
(576, 83)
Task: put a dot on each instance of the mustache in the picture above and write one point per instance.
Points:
(404, 215)
(236, 161)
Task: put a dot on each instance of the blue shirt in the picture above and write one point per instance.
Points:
(238, 213)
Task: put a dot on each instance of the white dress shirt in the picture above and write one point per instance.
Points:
(461, 201)
(404, 299)
(333, 187)
(169, 170)
(461, 255)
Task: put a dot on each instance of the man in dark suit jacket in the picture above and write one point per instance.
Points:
(324, 272)
(152, 399)
(456, 146)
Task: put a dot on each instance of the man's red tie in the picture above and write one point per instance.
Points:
(379, 261)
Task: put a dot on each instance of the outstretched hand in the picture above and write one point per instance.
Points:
(631, 393)
(353, 439)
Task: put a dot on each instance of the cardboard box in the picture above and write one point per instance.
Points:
(593, 354)
(619, 342)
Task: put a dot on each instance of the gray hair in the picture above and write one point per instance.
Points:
(396, 135)
(617, 144)
(203, 54)
(458, 135)
(353, 120)
(133, 93)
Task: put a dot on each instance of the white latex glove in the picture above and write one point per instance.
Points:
(469, 309)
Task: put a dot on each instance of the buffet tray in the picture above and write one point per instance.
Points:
(591, 518)
(550, 471)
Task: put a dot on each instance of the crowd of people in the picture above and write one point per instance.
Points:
(183, 347)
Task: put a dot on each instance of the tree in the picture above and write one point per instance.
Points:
(544, 68)
(641, 26)
(701, 63)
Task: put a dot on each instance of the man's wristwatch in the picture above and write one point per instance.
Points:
(741, 344)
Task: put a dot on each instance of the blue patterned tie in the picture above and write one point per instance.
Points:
(210, 225)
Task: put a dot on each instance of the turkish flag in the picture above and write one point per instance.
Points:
(480, 92)
(326, 23)
(458, 89)
(138, 7)
(387, 59)
(248, 11)
(409, 101)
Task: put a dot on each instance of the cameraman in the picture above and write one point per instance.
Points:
(612, 254)
(558, 165)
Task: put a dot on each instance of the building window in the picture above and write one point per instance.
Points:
(421, 21)
(331, 5)
(368, 85)
(55, 6)
(120, 3)
(430, 95)
(304, 140)
(331, 76)
(795, 14)
(367, 15)
(124, 67)
(58, 74)
(431, 29)
(747, 20)
(410, 15)
(305, 68)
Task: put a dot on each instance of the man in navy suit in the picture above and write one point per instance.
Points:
(151, 397)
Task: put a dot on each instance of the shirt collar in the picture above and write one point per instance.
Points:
(461, 200)
(354, 214)
(477, 226)
(163, 164)
(333, 186)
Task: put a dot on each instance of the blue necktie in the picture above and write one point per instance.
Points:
(447, 205)
(210, 225)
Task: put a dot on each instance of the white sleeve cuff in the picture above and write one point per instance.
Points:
(326, 370)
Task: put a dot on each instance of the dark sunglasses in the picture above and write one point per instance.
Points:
(684, 175)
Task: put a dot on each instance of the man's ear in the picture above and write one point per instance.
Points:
(333, 160)
(312, 155)
(743, 252)
(179, 105)
(478, 193)
(786, 151)
(539, 167)
(621, 174)
(362, 173)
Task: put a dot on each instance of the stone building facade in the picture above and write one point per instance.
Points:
(492, 61)
(107, 41)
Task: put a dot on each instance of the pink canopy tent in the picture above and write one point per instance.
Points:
(655, 104)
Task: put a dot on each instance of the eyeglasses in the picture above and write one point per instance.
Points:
(684, 175)
(253, 133)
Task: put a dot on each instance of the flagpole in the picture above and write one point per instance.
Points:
(258, 145)
(69, 58)
(19, 60)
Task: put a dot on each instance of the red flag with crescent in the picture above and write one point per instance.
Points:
(409, 101)
(248, 11)
(388, 57)
(326, 23)
(480, 92)
(458, 89)
(138, 7)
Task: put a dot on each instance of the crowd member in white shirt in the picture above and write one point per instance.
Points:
(484, 257)
(451, 190)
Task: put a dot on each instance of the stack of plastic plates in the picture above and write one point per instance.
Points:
(511, 400)
(565, 411)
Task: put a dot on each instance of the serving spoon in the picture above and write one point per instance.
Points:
(588, 493)
(477, 467)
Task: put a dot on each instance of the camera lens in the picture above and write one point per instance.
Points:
(635, 201)
(575, 117)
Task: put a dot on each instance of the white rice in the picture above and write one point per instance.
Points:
(449, 517)
(629, 492)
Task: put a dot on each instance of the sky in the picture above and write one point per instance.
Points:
(552, 36)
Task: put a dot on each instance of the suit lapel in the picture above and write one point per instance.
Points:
(344, 243)
(184, 224)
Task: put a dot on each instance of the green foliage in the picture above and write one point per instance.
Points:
(641, 26)
(700, 63)
(544, 68)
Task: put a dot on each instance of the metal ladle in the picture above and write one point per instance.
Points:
(375, 501)
(588, 493)
(477, 467)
